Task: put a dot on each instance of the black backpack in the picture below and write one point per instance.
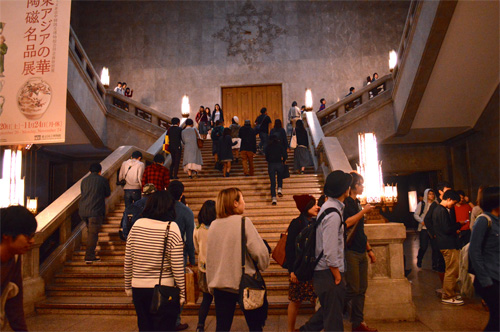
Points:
(305, 247)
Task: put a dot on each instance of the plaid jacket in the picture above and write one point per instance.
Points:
(157, 175)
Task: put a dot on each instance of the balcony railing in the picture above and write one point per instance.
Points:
(350, 103)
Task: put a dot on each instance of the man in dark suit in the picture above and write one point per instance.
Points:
(175, 147)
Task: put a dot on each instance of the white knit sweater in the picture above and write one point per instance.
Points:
(143, 255)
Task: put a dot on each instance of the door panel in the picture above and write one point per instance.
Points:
(246, 102)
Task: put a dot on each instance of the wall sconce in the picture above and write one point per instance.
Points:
(393, 60)
(32, 205)
(412, 200)
(185, 108)
(105, 77)
(309, 100)
(12, 184)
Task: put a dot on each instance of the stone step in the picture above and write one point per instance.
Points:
(123, 306)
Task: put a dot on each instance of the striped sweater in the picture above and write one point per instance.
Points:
(143, 256)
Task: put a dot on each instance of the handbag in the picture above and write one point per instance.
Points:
(252, 291)
(286, 171)
(123, 182)
(166, 299)
(279, 253)
(199, 141)
(293, 140)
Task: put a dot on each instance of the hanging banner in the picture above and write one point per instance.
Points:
(34, 37)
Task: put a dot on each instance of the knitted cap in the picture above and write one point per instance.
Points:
(301, 201)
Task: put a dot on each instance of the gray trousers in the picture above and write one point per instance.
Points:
(331, 297)
(357, 282)
(93, 227)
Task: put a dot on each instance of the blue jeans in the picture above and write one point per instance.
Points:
(130, 196)
(263, 140)
(275, 169)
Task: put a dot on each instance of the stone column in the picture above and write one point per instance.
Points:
(389, 295)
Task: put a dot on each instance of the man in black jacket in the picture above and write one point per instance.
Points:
(446, 230)
(175, 147)
(437, 258)
(248, 147)
(262, 122)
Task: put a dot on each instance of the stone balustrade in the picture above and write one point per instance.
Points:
(146, 113)
(379, 87)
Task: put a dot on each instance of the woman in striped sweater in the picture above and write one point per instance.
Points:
(143, 256)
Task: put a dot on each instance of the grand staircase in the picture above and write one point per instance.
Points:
(98, 288)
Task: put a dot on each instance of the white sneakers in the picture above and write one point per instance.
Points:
(280, 193)
(274, 201)
(453, 301)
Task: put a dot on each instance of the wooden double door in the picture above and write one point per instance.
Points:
(247, 101)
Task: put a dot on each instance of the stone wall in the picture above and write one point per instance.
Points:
(165, 49)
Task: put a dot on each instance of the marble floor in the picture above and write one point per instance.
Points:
(431, 314)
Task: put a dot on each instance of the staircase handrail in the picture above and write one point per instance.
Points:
(144, 112)
(407, 36)
(358, 98)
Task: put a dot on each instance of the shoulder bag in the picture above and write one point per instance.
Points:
(199, 141)
(124, 181)
(293, 140)
(252, 290)
(166, 299)
(279, 252)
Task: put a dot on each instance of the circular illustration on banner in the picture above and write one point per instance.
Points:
(34, 97)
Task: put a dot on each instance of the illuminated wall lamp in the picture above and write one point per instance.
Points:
(393, 60)
(32, 205)
(309, 100)
(105, 77)
(185, 107)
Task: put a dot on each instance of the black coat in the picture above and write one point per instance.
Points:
(276, 153)
(302, 138)
(174, 138)
(225, 151)
(248, 141)
(281, 134)
(445, 228)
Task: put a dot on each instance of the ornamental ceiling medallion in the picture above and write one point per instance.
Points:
(249, 33)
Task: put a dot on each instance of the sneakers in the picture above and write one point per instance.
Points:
(452, 301)
(274, 201)
(280, 193)
(95, 259)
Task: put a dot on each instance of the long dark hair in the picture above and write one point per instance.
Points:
(299, 125)
(207, 213)
(278, 124)
(160, 206)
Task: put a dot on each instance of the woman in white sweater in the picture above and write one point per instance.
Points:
(143, 257)
(224, 260)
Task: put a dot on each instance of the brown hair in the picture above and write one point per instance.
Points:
(225, 202)
(356, 178)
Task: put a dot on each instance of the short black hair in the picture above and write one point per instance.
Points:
(226, 132)
(16, 220)
(136, 154)
(451, 194)
(278, 124)
(299, 124)
(124, 83)
(461, 192)
(189, 122)
(95, 168)
(176, 121)
(217, 123)
(490, 199)
(441, 185)
(294, 104)
(118, 83)
(159, 158)
(207, 213)
(160, 206)
(263, 110)
(351, 88)
(322, 100)
(321, 200)
(176, 188)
